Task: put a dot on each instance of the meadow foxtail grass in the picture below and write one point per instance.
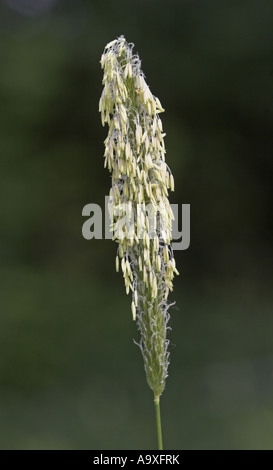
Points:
(138, 204)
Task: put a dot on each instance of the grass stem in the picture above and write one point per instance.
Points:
(158, 423)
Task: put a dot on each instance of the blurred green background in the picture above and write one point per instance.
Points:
(71, 376)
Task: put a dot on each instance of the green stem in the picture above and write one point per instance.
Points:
(158, 423)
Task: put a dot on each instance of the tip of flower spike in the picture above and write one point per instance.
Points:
(110, 44)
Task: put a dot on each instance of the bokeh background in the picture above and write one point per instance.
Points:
(71, 376)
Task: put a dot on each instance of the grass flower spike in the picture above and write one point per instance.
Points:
(138, 203)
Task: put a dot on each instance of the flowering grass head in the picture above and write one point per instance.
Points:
(139, 205)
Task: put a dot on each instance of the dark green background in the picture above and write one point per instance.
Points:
(71, 376)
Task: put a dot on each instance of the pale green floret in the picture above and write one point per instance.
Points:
(135, 155)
